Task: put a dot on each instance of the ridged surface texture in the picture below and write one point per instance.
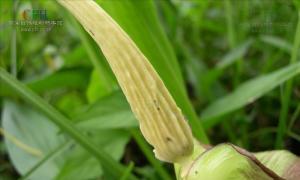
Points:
(161, 121)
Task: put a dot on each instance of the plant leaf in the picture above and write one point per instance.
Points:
(34, 130)
(81, 165)
(234, 55)
(111, 112)
(277, 42)
(115, 170)
(77, 78)
(247, 93)
(96, 88)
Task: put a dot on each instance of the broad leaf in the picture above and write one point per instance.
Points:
(38, 137)
(36, 131)
(76, 79)
(81, 165)
(96, 88)
(108, 113)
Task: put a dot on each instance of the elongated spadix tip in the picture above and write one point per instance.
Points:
(161, 121)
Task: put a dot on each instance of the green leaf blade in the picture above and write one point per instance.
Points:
(247, 93)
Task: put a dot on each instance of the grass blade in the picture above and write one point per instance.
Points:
(294, 117)
(13, 52)
(294, 135)
(277, 42)
(127, 171)
(282, 126)
(231, 32)
(234, 55)
(247, 93)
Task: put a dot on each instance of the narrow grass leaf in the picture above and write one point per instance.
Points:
(277, 42)
(287, 92)
(247, 93)
(127, 171)
(234, 55)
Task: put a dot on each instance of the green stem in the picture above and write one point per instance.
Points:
(230, 26)
(196, 126)
(112, 167)
(232, 38)
(226, 126)
(294, 117)
(244, 136)
(285, 101)
(194, 120)
(149, 154)
(262, 132)
(232, 44)
(127, 171)
(13, 52)
(294, 135)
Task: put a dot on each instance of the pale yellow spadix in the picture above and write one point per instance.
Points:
(161, 121)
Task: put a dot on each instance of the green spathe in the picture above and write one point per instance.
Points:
(282, 162)
(222, 162)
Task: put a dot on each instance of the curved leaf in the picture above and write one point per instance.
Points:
(247, 93)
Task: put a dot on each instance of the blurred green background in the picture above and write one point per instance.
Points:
(232, 65)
